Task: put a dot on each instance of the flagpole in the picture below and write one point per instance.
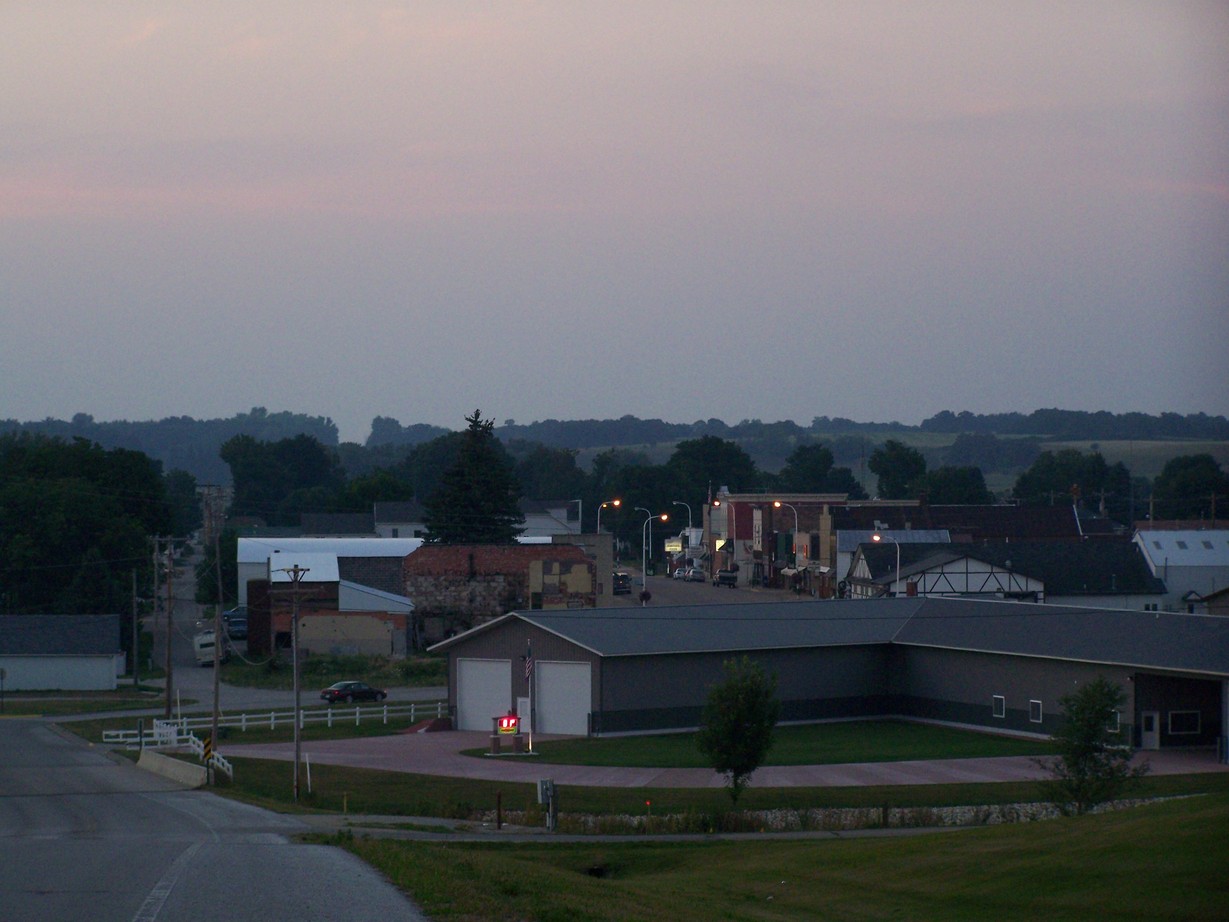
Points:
(529, 676)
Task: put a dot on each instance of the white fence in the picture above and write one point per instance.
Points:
(177, 733)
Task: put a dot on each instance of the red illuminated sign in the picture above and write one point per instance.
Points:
(509, 724)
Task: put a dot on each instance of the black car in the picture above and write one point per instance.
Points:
(352, 691)
(621, 583)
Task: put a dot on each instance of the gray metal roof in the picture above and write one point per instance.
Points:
(59, 635)
(1154, 640)
(1123, 637)
(721, 628)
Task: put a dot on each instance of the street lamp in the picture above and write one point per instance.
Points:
(794, 543)
(678, 502)
(644, 543)
(609, 502)
(877, 538)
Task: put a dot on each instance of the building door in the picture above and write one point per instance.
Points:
(563, 693)
(484, 691)
(1150, 730)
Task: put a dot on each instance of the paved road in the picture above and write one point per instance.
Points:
(440, 754)
(84, 835)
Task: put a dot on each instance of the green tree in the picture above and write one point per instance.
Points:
(956, 486)
(1094, 762)
(378, 486)
(737, 723)
(185, 506)
(1070, 476)
(699, 462)
(266, 475)
(477, 501)
(806, 469)
(207, 574)
(1186, 486)
(899, 469)
(74, 521)
(550, 473)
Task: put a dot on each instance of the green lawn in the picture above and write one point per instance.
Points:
(58, 703)
(358, 791)
(423, 671)
(809, 744)
(1164, 861)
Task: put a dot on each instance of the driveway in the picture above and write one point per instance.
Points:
(441, 754)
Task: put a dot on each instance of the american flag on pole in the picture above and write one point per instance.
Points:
(528, 661)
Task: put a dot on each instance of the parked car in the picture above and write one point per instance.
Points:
(696, 575)
(680, 573)
(352, 691)
(621, 583)
(726, 578)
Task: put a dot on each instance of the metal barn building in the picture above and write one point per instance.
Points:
(993, 665)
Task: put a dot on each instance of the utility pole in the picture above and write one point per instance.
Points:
(136, 634)
(296, 574)
(170, 622)
(218, 636)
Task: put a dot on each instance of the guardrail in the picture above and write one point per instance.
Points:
(177, 733)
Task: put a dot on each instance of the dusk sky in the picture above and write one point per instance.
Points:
(576, 210)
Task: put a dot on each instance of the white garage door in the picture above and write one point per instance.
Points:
(563, 691)
(484, 690)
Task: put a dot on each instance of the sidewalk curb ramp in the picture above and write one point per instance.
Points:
(193, 776)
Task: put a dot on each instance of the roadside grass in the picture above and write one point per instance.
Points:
(59, 703)
(340, 789)
(421, 671)
(1162, 861)
(804, 744)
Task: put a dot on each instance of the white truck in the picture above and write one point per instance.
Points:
(204, 643)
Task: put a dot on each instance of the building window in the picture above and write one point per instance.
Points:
(1034, 711)
(1183, 723)
(396, 534)
(1115, 721)
(1182, 545)
(1208, 545)
(1000, 706)
(1151, 606)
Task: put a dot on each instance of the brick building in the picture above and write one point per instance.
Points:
(455, 587)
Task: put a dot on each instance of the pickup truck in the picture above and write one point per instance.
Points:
(726, 578)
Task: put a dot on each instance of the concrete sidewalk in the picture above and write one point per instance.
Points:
(441, 754)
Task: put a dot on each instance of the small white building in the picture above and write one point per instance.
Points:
(1193, 564)
(374, 562)
(60, 652)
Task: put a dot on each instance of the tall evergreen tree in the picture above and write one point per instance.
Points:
(477, 499)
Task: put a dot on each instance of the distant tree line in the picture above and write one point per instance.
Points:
(1077, 425)
(181, 442)
(994, 442)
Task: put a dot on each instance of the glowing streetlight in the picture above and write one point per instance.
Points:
(609, 502)
(877, 538)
